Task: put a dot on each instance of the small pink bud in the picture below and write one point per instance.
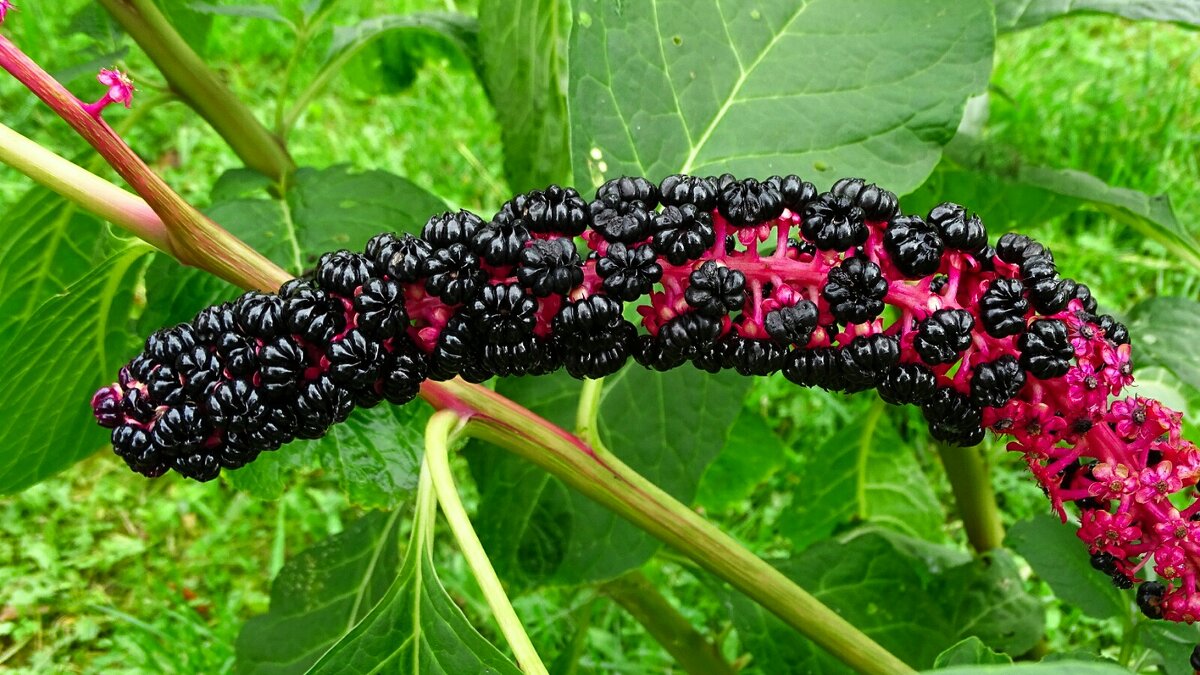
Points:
(120, 90)
(5, 6)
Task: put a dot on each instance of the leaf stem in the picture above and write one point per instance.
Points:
(200, 88)
(604, 478)
(969, 478)
(191, 238)
(694, 653)
(587, 414)
(439, 432)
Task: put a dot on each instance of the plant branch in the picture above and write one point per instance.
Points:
(439, 433)
(198, 86)
(969, 478)
(191, 238)
(694, 653)
(604, 478)
(587, 414)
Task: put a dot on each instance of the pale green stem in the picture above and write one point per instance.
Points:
(967, 470)
(200, 87)
(120, 207)
(587, 414)
(438, 435)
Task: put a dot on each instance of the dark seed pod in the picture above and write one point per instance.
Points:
(866, 359)
(446, 229)
(1003, 308)
(907, 383)
(748, 202)
(875, 202)
(592, 338)
(683, 233)
(997, 382)
(944, 335)
(833, 223)
(680, 190)
(855, 290)
(792, 325)
(960, 231)
(688, 333)
(1045, 350)
(915, 246)
(629, 272)
(550, 266)
(715, 290)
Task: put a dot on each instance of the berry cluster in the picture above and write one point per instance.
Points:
(834, 289)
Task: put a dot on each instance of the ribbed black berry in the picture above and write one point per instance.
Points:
(915, 246)
(239, 353)
(592, 338)
(748, 202)
(754, 357)
(448, 228)
(944, 335)
(833, 223)
(715, 290)
(907, 383)
(792, 325)
(796, 193)
(453, 274)
(855, 290)
(1114, 330)
(320, 404)
(997, 382)
(688, 333)
(1012, 246)
(235, 405)
(625, 222)
(1045, 350)
(960, 231)
(867, 359)
(314, 315)
(821, 367)
(550, 266)
(503, 314)
(198, 368)
(342, 271)
(454, 349)
(629, 272)
(1003, 308)
(681, 190)
(683, 233)
(355, 360)
(406, 258)
(381, 311)
(500, 242)
(281, 366)
(213, 321)
(165, 345)
(1149, 598)
(953, 418)
(629, 189)
(875, 202)
(555, 210)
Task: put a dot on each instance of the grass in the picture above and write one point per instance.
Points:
(102, 571)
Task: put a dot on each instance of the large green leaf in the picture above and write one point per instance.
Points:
(913, 609)
(864, 472)
(751, 455)
(375, 453)
(1061, 560)
(970, 651)
(835, 87)
(52, 363)
(1165, 330)
(523, 44)
(667, 426)
(1055, 668)
(1017, 14)
(320, 595)
(416, 627)
(1174, 643)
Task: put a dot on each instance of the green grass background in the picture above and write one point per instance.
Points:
(103, 571)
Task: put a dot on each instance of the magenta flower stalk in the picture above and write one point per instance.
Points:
(120, 90)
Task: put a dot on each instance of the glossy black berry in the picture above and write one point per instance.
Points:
(503, 314)
(1114, 330)
(754, 357)
(867, 359)
(403, 372)
(629, 272)
(132, 444)
(944, 335)
(1149, 598)
(625, 222)
(833, 223)
(453, 274)
(960, 231)
(680, 190)
(1003, 308)
(996, 382)
(792, 325)
(592, 338)
(683, 233)
(1045, 350)
(238, 353)
(448, 228)
(165, 387)
(282, 361)
(406, 258)
(555, 210)
(688, 333)
(454, 349)
(355, 360)
(1012, 246)
(180, 430)
(165, 345)
(855, 290)
(198, 368)
(342, 272)
(820, 367)
(500, 242)
(953, 418)
(550, 266)
(629, 189)
(748, 202)
(214, 320)
(380, 307)
(715, 290)
(235, 405)
(915, 246)
(796, 193)
(907, 383)
(875, 202)
(320, 404)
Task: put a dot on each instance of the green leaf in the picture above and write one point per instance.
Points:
(264, 12)
(1014, 15)
(376, 452)
(752, 454)
(54, 362)
(1173, 642)
(863, 472)
(1061, 560)
(970, 651)
(667, 426)
(416, 627)
(192, 25)
(320, 595)
(913, 609)
(847, 87)
(1006, 193)
(1166, 336)
(1055, 668)
(528, 86)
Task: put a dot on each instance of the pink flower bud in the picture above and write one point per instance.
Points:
(5, 6)
(120, 90)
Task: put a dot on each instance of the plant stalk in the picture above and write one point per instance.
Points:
(191, 238)
(199, 87)
(694, 653)
(439, 432)
(969, 478)
(604, 478)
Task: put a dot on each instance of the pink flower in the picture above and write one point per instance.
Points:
(1169, 561)
(1175, 529)
(1157, 483)
(1041, 427)
(1084, 336)
(120, 90)
(1118, 369)
(1102, 530)
(5, 7)
(1180, 605)
(1112, 481)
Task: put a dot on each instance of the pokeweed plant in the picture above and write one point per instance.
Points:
(678, 261)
